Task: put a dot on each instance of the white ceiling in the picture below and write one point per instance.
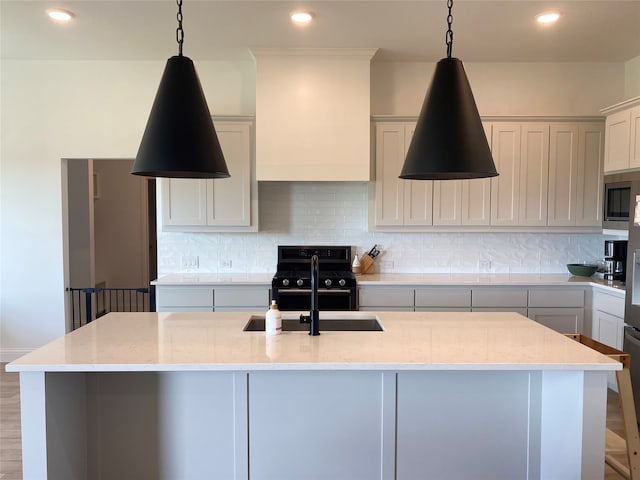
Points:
(484, 31)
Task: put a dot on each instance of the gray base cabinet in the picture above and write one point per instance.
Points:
(321, 425)
(184, 299)
(561, 308)
(428, 400)
(391, 298)
(219, 298)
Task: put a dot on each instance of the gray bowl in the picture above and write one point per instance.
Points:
(581, 269)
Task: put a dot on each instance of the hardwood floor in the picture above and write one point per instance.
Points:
(10, 449)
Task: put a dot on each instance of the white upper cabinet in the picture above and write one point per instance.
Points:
(550, 176)
(226, 204)
(575, 175)
(463, 202)
(563, 174)
(534, 175)
(506, 153)
(397, 201)
(622, 136)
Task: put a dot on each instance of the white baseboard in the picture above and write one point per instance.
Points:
(11, 354)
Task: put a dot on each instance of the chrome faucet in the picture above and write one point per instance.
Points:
(314, 314)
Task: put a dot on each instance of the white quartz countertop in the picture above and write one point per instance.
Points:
(216, 341)
(431, 279)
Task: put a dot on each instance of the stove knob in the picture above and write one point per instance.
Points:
(285, 282)
(327, 282)
(342, 282)
(299, 282)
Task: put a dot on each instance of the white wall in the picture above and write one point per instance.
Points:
(120, 212)
(632, 78)
(399, 88)
(80, 220)
(54, 110)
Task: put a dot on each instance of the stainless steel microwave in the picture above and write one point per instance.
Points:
(617, 200)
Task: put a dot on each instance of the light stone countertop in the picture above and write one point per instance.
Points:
(388, 279)
(120, 342)
(177, 279)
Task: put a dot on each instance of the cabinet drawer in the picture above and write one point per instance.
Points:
(443, 297)
(520, 310)
(185, 297)
(386, 297)
(558, 297)
(611, 304)
(241, 297)
(563, 320)
(499, 297)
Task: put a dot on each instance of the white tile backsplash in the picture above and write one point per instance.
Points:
(303, 213)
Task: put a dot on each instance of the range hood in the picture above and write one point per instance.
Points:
(313, 111)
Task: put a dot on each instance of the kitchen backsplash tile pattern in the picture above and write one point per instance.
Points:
(336, 213)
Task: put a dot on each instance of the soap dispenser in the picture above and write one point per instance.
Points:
(356, 268)
(273, 320)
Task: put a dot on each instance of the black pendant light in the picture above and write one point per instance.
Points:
(180, 140)
(449, 141)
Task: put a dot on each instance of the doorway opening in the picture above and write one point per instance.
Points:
(109, 228)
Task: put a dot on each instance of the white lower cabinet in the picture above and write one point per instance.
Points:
(608, 318)
(608, 322)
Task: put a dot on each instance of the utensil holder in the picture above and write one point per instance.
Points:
(366, 264)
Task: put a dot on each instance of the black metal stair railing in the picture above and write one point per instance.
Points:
(87, 304)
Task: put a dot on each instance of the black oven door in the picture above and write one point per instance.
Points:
(299, 299)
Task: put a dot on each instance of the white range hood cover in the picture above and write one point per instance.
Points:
(313, 114)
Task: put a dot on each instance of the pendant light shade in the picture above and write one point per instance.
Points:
(449, 141)
(180, 140)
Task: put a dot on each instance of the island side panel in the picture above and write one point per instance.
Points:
(167, 425)
(463, 424)
(573, 424)
(33, 425)
(594, 423)
(53, 417)
(321, 424)
(66, 425)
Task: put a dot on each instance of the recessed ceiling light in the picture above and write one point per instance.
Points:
(548, 17)
(60, 15)
(302, 17)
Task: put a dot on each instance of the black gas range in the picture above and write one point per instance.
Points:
(291, 284)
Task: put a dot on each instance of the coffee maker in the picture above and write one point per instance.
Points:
(615, 260)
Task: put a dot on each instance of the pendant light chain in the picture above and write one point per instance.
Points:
(449, 36)
(179, 30)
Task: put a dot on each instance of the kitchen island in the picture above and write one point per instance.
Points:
(434, 395)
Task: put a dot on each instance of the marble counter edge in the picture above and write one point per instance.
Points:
(264, 367)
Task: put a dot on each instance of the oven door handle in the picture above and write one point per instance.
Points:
(308, 290)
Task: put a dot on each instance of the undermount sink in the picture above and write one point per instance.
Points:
(330, 323)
